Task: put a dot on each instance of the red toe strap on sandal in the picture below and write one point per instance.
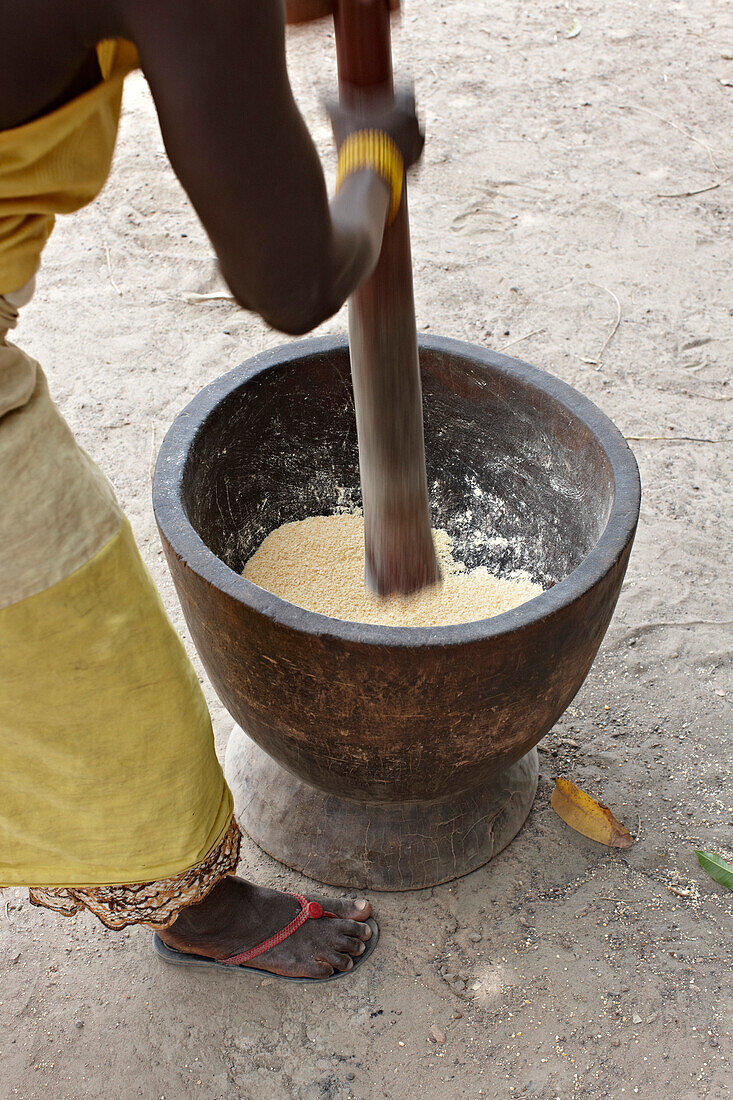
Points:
(309, 910)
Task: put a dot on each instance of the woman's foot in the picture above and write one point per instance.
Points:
(238, 915)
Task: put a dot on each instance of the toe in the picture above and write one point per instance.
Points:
(321, 969)
(339, 960)
(350, 944)
(359, 929)
(359, 909)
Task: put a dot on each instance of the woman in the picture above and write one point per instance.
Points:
(111, 796)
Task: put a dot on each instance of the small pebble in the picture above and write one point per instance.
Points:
(475, 937)
(79, 1024)
(615, 1042)
(350, 1076)
(436, 1035)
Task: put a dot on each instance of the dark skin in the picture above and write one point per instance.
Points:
(234, 136)
(239, 146)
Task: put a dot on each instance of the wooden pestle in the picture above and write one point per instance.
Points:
(399, 551)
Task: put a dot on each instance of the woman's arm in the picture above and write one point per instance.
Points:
(242, 151)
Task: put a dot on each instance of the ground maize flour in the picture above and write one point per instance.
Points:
(318, 563)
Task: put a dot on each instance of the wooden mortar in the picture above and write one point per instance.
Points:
(388, 757)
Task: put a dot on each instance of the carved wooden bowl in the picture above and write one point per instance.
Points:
(392, 757)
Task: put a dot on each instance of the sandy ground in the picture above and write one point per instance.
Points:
(541, 200)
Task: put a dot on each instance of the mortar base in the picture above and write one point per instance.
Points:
(374, 845)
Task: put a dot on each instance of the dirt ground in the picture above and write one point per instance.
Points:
(555, 190)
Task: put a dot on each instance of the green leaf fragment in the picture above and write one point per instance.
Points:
(716, 867)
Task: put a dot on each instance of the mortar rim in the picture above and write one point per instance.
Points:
(187, 544)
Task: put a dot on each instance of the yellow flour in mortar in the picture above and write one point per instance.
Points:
(318, 563)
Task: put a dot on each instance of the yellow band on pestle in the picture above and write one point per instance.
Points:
(375, 150)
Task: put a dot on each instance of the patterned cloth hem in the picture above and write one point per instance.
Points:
(155, 904)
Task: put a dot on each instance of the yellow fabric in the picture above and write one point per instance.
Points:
(376, 150)
(56, 164)
(107, 767)
(57, 508)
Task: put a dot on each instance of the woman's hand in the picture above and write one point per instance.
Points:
(395, 117)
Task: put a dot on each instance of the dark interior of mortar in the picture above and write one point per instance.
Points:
(517, 479)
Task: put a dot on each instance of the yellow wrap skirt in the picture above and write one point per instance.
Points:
(111, 795)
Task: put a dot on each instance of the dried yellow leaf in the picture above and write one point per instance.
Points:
(582, 813)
